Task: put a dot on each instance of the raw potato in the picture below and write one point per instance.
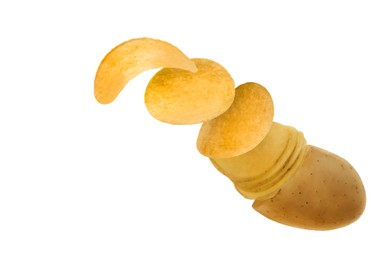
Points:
(325, 193)
(132, 57)
(178, 96)
(242, 127)
(258, 160)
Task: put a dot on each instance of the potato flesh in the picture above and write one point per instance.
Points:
(265, 186)
(325, 193)
(129, 59)
(273, 181)
(259, 173)
(257, 161)
(178, 96)
(282, 160)
(242, 127)
(291, 168)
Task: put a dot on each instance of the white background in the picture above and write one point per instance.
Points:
(80, 180)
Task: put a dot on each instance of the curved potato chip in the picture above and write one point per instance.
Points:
(242, 127)
(129, 59)
(178, 96)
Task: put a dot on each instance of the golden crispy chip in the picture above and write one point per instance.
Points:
(257, 161)
(178, 96)
(325, 193)
(129, 59)
(242, 127)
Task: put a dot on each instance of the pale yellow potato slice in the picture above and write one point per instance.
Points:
(271, 181)
(132, 57)
(278, 165)
(273, 185)
(242, 127)
(264, 188)
(178, 96)
(292, 168)
(258, 160)
(325, 193)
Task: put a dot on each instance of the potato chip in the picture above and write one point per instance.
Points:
(178, 96)
(242, 127)
(129, 59)
(257, 161)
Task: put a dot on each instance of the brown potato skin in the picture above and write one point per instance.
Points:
(325, 193)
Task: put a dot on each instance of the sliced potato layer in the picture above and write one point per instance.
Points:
(279, 164)
(325, 193)
(257, 161)
(178, 96)
(242, 127)
(265, 188)
(132, 57)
